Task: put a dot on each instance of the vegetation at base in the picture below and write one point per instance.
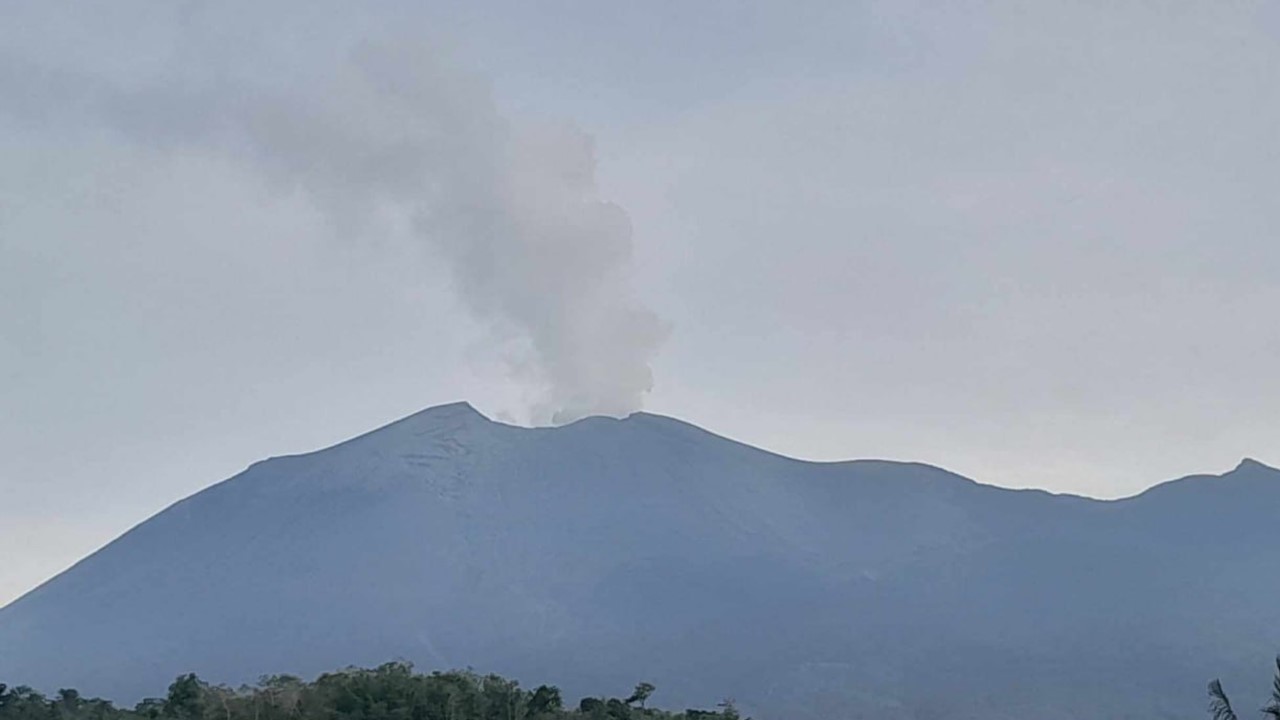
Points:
(1220, 705)
(389, 692)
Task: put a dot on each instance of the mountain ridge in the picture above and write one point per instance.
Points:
(463, 409)
(611, 550)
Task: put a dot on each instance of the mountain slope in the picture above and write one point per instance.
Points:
(611, 551)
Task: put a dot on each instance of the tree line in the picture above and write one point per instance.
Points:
(393, 691)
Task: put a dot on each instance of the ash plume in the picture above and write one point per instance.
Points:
(394, 130)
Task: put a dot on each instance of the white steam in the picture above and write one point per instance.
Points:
(512, 210)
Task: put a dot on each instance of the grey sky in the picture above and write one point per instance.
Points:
(1032, 243)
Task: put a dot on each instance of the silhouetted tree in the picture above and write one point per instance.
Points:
(1220, 705)
(1273, 708)
(546, 700)
(641, 693)
(185, 698)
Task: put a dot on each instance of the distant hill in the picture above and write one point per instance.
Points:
(607, 552)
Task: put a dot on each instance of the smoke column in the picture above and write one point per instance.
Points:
(390, 129)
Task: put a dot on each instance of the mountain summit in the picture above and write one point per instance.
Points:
(607, 552)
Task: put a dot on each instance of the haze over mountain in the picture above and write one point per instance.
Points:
(607, 552)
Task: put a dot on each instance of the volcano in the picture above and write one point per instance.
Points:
(607, 552)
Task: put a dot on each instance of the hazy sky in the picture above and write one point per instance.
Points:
(1034, 243)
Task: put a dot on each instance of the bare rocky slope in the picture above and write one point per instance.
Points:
(607, 552)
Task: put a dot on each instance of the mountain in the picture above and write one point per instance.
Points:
(607, 552)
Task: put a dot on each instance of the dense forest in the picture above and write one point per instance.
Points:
(393, 691)
(390, 692)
